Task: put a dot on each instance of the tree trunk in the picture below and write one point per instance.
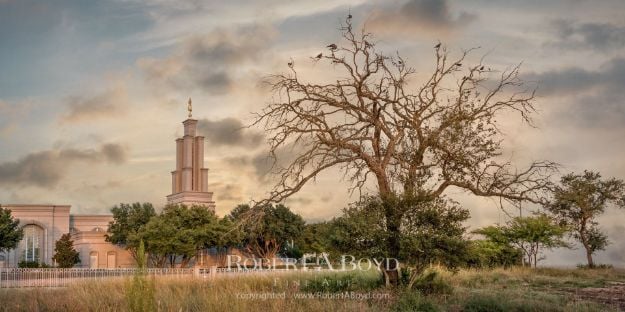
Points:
(591, 264)
(393, 223)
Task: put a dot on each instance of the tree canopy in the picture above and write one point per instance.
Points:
(529, 234)
(178, 233)
(376, 120)
(276, 226)
(65, 255)
(10, 231)
(579, 200)
(128, 220)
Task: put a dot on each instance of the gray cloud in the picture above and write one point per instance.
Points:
(208, 62)
(47, 168)
(229, 132)
(426, 15)
(109, 103)
(596, 97)
(227, 192)
(595, 36)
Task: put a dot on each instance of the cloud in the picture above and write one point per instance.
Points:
(594, 97)
(47, 168)
(208, 62)
(228, 132)
(596, 36)
(109, 103)
(11, 115)
(427, 16)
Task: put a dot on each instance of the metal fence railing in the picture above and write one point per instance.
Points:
(55, 277)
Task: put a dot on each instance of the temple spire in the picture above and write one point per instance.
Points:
(190, 108)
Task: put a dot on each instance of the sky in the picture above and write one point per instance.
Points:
(93, 93)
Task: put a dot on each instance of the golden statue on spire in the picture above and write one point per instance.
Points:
(189, 107)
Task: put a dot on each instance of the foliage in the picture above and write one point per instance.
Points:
(579, 200)
(429, 231)
(10, 231)
(270, 230)
(430, 282)
(490, 254)
(179, 232)
(530, 234)
(140, 294)
(32, 265)
(128, 220)
(316, 238)
(65, 255)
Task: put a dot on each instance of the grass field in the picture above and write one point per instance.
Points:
(517, 289)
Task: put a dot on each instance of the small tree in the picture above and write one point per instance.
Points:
(178, 233)
(276, 225)
(10, 232)
(128, 220)
(64, 253)
(530, 234)
(579, 200)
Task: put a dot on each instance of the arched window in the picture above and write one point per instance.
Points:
(31, 244)
(111, 259)
(93, 260)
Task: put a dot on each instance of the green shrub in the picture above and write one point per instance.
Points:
(413, 301)
(32, 265)
(140, 290)
(430, 282)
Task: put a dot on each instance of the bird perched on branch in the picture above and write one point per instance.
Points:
(332, 47)
(319, 56)
(290, 63)
(437, 46)
(482, 68)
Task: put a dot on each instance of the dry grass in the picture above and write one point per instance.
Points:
(521, 289)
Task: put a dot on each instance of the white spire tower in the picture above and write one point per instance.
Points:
(189, 182)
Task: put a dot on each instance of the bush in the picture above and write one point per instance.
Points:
(413, 301)
(140, 291)
(32, 265)
(430, 282)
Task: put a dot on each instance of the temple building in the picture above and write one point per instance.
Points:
(44, 224)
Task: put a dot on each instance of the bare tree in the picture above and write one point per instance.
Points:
(416, 140)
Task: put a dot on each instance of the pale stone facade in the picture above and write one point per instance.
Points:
(189, 182)
(44, 224)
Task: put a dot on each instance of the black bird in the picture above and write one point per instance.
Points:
(458, 64)
(482, 68)
(290, 64)
(349, 16)
(332, 47)
(319, 56)
(437, 46)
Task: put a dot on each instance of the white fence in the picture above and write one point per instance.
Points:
(53, 277)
